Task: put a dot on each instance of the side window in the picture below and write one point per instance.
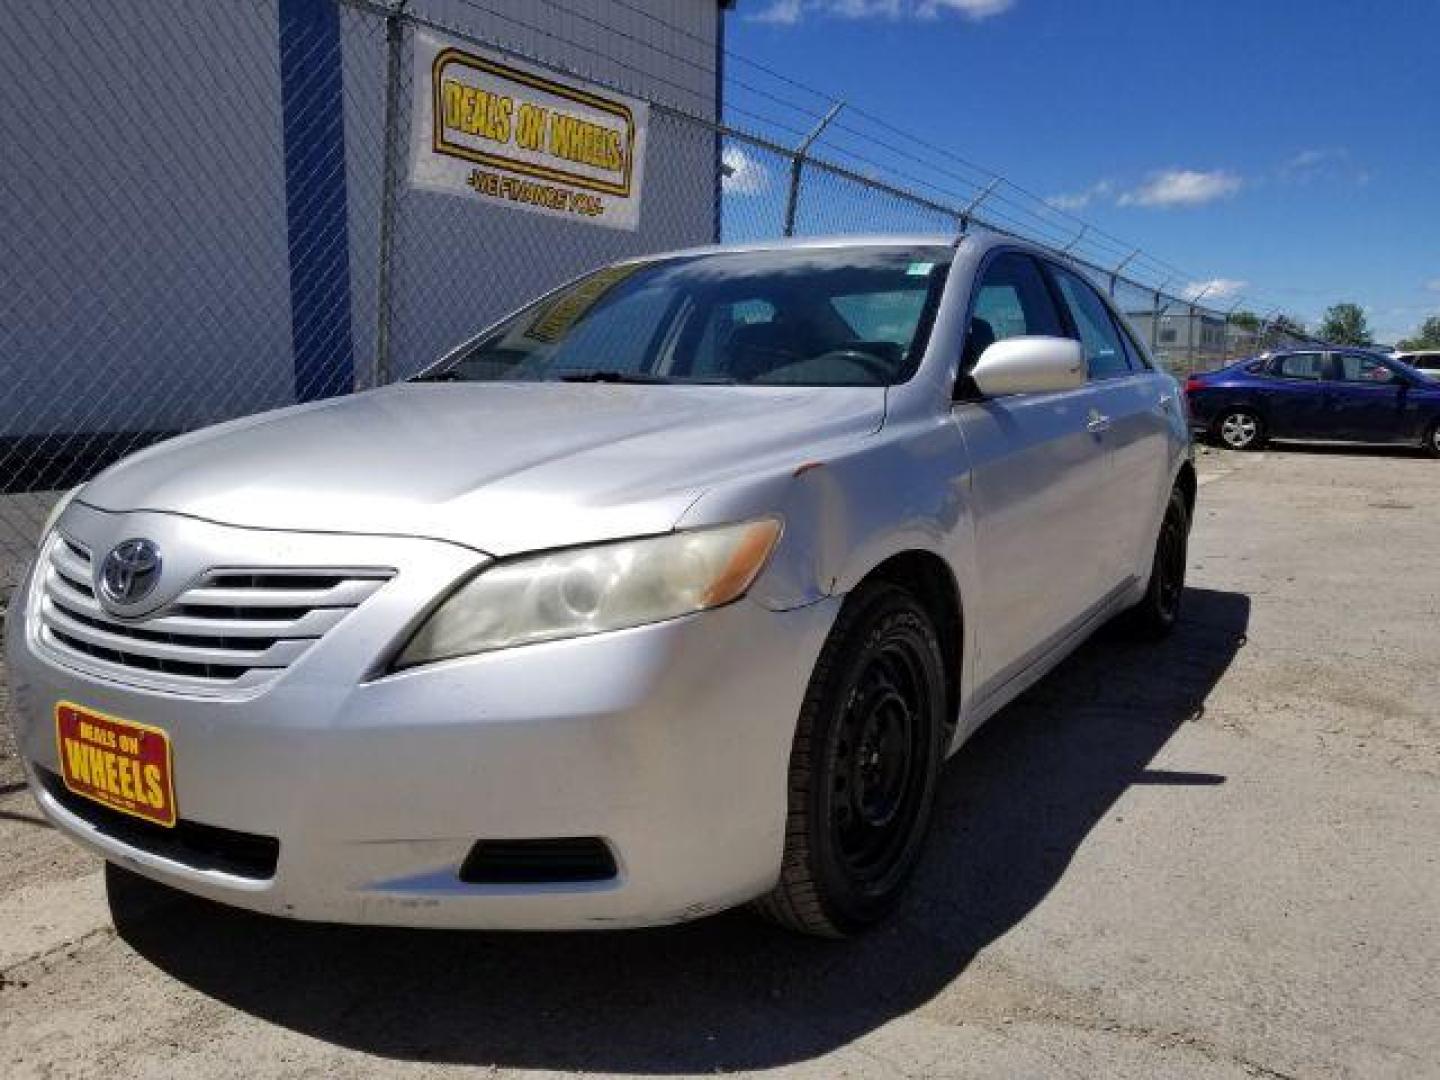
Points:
(1012, 301)
(1133, 353)
(1305, 365)
(1355, 367)
(1104, 354)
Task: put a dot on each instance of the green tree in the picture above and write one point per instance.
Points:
(1286, 326)
(1427, 337)
(1345, 324)
(1245, 320)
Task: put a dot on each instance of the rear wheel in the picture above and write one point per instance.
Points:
(1432, 440)
(863, 768)
(1240, 429)
(1156, 614)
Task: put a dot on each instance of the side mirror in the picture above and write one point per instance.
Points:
(1030, 365)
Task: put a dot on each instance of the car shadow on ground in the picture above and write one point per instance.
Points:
(728, 992)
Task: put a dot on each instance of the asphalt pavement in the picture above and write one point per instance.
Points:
(1218, 857)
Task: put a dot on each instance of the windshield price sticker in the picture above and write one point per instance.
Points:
(514, 136)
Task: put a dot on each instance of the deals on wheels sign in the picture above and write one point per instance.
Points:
(487, 128)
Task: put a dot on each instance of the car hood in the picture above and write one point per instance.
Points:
(500, 467)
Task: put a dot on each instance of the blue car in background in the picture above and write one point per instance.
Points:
(1317, 395)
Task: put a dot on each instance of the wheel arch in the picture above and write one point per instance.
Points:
(1250, 403)
(929, 578)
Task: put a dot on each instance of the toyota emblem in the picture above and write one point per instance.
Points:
(130, 572)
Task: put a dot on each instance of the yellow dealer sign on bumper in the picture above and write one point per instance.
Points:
(487, 128)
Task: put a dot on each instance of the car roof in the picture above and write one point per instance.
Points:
(978, 238)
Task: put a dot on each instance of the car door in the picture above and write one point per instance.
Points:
(1294, 396)
(1128, 404)
(1037, 479)
(1366, 401)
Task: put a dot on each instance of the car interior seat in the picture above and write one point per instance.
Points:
(756, 349)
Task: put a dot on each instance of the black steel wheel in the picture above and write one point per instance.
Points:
(863, 768)
(1159, 610)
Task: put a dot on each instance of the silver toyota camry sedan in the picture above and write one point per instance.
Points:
(669, 592)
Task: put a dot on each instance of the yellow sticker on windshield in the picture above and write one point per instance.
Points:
(555, 319)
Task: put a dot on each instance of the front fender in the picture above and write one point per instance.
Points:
(848, 511)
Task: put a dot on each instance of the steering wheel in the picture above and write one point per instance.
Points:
(879, 367)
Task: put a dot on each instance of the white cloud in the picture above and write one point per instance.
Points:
(1433, 285)
(974, 10)
(1324, 163)
(1214, 290)
(862, 9)
(1311, 159)
(741, 174)
(780, 12)
(1079, 200)
(1183, 187)
(790, 12)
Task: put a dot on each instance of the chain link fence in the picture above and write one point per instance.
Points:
(170, 172)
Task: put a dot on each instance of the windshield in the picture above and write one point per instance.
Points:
(798, 317)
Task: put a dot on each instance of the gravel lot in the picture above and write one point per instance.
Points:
(1215, 858)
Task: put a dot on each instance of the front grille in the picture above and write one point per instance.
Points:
(234, 628)
(200, 847)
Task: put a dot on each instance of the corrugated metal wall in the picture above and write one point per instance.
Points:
(147, 266)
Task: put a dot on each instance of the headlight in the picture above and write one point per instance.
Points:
(58, 509)
(592, 589)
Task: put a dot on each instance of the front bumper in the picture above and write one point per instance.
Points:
(670, 742)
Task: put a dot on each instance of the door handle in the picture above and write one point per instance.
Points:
(1097, 423)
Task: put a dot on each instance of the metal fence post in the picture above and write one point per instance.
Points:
(1155, 325)
(1120, 269)
(797, 162)
(394, 50)
(1084, 228)
(974, 204)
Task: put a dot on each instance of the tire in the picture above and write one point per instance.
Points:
(1432, 440)
(1240, 429)
(1154, 617)
(863, 767)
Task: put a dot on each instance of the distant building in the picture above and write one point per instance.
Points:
(1191, 339)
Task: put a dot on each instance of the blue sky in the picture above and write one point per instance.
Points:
(1284, 152)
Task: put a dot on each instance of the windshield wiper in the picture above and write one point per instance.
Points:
(611, 375)
(450, 375)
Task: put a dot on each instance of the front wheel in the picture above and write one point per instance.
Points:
(1158, 611)
(1240, 429)
(863, 768)
(1432, 440)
